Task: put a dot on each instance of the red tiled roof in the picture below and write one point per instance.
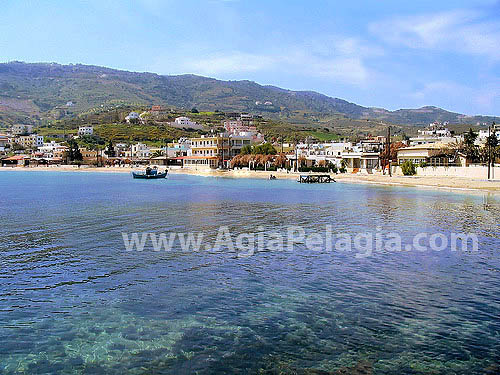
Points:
(17, 157)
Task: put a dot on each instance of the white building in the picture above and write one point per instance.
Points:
(434, 133)
(436, 129)
(185, 122)
(19, 129)
(238, 141)
(363, 157)
(132, 116)
(483, 134)
(140, 150)
(427, 140)
(85, 130)
(30, 141)
(238, 126)
(4, 141)
(51, 149)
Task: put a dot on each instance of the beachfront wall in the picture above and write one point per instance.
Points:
(476, 171)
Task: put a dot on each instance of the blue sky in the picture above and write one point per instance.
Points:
(381, 53)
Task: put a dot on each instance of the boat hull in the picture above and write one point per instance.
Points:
(149, 176)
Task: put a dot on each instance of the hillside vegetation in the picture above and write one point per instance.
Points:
(39, 92)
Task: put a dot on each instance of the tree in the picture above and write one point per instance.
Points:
(110, 151)
(157, 154)
(74, 153)
(470, 138)
(264, 149)
(469, 148)
(194, 110)
(393, 152)
(343, 166)
(17, 147)
(490, 150)
(245, 150)
(280, 160)
(408, 168)
(492, 141)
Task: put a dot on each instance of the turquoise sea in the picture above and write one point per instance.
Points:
(73, 301)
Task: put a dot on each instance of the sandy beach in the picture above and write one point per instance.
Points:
(449, 183)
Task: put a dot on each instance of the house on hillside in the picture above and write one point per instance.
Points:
(85, 130)
(185, 122)
(30, 141)
(21, 129)
(132, 117)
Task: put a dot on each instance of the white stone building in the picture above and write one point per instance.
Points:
(132, 116)
(85, 130)
(19, 129)
(140, 151)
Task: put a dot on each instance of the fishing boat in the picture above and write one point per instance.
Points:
(150, 174)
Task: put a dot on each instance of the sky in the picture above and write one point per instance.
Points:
(378, 53)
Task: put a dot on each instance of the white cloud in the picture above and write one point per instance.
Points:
(350, 70)
(337, 59)
(485, 99)
(459, 31)
(229, 63)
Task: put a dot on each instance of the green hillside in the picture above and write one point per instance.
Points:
(37, 92)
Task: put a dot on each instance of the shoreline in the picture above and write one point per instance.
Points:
(457, 184)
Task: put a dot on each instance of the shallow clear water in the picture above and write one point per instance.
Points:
(72, 300)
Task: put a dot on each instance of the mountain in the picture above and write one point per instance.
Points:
(34, 90)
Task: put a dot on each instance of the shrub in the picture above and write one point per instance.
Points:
(409, 168)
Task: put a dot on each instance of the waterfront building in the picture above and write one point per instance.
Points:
(237, 142)
(208, 152)
(358, 160)
(16, 161)
(89, 156)
(362, 157)
(428, 154)
(139, 151)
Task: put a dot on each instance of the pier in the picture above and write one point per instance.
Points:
(315, 179)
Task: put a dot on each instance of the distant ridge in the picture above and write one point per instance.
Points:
(30, 89)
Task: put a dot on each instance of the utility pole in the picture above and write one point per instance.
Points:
(222, 151)
(389, 149)
(296, 159)
(489, 152)
(493, 125)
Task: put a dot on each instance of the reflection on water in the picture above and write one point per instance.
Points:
(72, 301)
